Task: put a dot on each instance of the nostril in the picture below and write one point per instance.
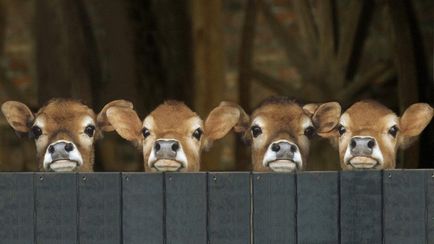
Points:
(371, 144)
(69, 147)
(353, 143)
(175, 146)
(51, 149)
(275, 147)
(293, 148)
(157, 147)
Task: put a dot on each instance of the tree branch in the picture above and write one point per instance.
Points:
(292, 49)
(307, 26)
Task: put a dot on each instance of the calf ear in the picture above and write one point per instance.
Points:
(126, 122)
(18, 116)
(413, 121)
(325, 117)
(310, 108)
(102, 119)
(223, 118)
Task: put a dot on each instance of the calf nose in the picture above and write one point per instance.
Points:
(60, 150)
(166, 149)
(362, 146)
(284, 150)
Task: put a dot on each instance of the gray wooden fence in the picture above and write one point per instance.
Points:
(312, 207)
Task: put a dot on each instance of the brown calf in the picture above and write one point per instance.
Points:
(64, 132)
(172, 136)
(280, 131)
(369, 134)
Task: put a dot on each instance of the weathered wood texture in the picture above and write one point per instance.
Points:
(393, 206)
(142, 208)
(361, 207)
(56, 208)
(99, 204)
(186, 208)
(229, 208)
(404, 206)
(16, 208)
(274, 208)
(318, 207)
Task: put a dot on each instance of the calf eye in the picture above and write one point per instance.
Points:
(89, 130)
(197, 133)
(309, 132)
(256, 130)
(36, 132)
(393, 130)
(341, 129)
(146, 132)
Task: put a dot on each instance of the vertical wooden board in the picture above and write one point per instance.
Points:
(16, 208)
(186, 208)
(404, 206)
(229, 208)
(99, 207)
(56, 208)
(318, 207)
(274, 208)
(361, 206)
(430, 205)
(142, 208)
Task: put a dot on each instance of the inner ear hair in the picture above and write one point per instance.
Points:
(18, 115)
(326, 117)
(126, 122)
(310, 108)
(415, 119)
(223, 118)
(102, 120)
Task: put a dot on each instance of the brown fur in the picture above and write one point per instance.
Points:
(62, 120)
(174, 120)
(283, 119)
(370, 118)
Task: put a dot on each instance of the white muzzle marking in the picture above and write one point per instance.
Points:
(281, 164)
(166, 164)
(375, 160)
(70, 162)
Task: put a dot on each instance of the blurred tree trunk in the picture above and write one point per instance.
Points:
(62, 60)
(173, 30)
(208, 63)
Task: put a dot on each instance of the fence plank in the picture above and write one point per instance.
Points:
(186, 208)
(404, 206)
(429, 176)
(361, 206)
(16, 208)
(318, 207)
(99, 207)
(56, 208)
(229, 208)
(274, 208)
(142, 207)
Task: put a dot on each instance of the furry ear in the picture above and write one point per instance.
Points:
(413, 122)
(325, 117)
(223, 118)
(310, 108)
(126, 122)
(18, 116)
(102, 120)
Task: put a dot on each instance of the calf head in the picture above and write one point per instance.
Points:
(369, 134)
(64, 132)
(280, 131)
(172, 136)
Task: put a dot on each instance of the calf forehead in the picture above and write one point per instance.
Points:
(173, 116)
(368, 114)
(281, 116)
(65, 114)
